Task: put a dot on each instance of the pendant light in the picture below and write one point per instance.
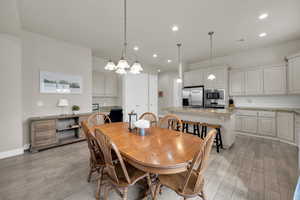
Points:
(110, 65)
(179, 79)
(123, 63)
(211, 76)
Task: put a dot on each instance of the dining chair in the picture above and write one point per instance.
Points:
(96, 156)
(98, 119)
(151, 117)
(189, 184)
(171, 121)
(120, 174)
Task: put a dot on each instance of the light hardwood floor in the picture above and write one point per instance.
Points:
(253, 169)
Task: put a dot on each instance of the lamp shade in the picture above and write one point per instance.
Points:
(62, 103)
(123, 64)
(110, 66)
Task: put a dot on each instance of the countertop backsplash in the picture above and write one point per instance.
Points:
(268, 101)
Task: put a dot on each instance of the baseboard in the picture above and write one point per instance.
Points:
(11, 153)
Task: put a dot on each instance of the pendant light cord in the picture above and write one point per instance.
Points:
(211, 46)
(179, 61)
(125, 30)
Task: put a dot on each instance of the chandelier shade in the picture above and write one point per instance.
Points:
(110, 66)
(123, 65)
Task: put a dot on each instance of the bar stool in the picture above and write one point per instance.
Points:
(218, 139)
(196, 129)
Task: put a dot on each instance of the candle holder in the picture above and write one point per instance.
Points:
(132, 119)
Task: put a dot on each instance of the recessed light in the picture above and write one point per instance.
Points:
(154, 55)
(136, 48)
(175, 28)
(262, 34)
(158, 70)
(169, 61)
(263, 16)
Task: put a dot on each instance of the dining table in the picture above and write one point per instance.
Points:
(158, 151)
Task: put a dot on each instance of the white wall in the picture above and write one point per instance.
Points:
(11, 96)
(254, 57)
(46, 54)
(268, 101)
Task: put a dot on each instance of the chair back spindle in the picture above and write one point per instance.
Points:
(200, 159)
(150, 117)
(171, 121)
(108, 148)
(94, 148)
(98, 119)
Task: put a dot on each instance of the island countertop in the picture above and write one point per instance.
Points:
(201, 111)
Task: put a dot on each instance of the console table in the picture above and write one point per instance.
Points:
(52, 131)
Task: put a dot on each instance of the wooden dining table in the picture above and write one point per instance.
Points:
(159, 151)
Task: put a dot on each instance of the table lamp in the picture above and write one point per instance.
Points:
(62, 103)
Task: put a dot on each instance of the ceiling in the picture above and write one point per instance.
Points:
(98, 24)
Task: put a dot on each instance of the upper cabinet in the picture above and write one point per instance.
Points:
(237, 82)
(193, 78)
(105, 84)
(221, 80)
(254, 82)
(275, 80)
(294, 74)
(199, 77)
(270, 80)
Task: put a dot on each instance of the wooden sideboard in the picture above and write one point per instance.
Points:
(52, 131)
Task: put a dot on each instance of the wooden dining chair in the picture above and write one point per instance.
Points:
(96, 156)
(151, 117)
(120, 174)
(190, 184)
(171, 121)
(98, 119)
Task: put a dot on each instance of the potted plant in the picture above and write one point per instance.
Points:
(75, 109)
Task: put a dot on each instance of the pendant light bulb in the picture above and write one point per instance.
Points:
(110, 66)
(123, 64)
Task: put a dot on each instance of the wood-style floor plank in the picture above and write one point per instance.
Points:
(253, 169)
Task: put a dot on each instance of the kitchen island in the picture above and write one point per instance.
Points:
(223, 117)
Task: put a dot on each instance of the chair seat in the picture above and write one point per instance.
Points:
(176, 181)
(133, 173)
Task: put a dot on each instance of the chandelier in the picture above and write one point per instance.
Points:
(123, 66)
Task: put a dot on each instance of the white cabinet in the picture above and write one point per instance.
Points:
(98, 83)
(254, 82)
(237, 80)
(294, 74)
(285, 126)
(275, 80)
(105, 84)
(220, 82)
(249, 124)
(266, 123)
(111, 85)
(193, 78)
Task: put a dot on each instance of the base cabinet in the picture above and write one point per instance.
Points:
(279, 125)
(285, 126)
(267, 126)
(249, 124)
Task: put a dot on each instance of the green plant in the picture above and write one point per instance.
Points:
(75, 108)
